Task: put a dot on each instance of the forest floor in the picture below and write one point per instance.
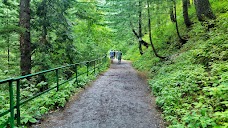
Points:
(119, 98)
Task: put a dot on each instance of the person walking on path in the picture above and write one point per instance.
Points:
(114, 52)
(119, 56)
(119, 98)
(111, 55)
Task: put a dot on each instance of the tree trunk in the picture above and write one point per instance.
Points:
(140, 27)
(189, 3)
(171, 15)
(25, 44)
(187, 21)
(183, 41)
(203, 9)
(142, 41)
(150, 35)
(44, 42)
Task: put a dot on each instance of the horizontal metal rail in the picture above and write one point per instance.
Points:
(94, 64)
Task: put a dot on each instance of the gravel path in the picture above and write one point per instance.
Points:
(119, 98)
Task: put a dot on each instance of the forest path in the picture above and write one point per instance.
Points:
(119, 98)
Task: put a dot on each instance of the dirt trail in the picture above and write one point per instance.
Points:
(117, 99)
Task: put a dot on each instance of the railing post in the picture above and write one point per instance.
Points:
(11, 104)
(57, 78)
(76, 72)
(87, 68)
(18, 103)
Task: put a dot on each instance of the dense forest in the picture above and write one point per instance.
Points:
(181, 45)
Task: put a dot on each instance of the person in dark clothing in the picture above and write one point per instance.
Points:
(119, 56)
(114, 54)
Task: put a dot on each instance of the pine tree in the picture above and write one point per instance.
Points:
(25, 42)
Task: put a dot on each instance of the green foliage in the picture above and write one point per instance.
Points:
(191, 85)
(62, 32)
(32, 111)
(27, 118)
(66, 29)
(218, 6)
(10, 29)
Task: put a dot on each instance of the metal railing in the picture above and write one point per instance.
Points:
(90, 66)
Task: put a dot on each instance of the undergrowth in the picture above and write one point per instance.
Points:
(33, 111)
(191, 86)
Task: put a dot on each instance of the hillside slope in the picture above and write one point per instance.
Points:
(191, 86)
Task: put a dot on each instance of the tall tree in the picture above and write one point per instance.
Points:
(141, 41)
(125, 16)
(140, 35)
(171, 14)
(25, 42)
(189, 3)
(203, 9)
(42, 11)
(150, 34)
(182, 40)
(187, 20)
(140, 27)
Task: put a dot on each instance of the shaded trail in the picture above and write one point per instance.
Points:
(117, 99)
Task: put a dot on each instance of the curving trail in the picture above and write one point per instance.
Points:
(119, 98)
